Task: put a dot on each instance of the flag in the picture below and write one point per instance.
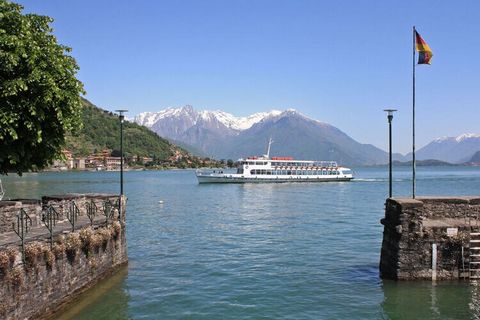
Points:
(424, 51)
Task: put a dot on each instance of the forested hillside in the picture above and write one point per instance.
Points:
(101, 130)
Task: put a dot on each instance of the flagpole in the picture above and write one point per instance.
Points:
(413, 122)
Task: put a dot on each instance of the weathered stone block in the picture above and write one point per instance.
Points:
(411, 226)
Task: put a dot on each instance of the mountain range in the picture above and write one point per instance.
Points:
(100, 131)
(221, 135)
(458, 149)
(224, 136)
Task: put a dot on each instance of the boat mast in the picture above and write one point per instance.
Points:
(268, 150)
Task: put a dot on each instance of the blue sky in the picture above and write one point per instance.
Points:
(341, 62)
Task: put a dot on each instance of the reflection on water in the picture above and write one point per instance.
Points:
(107, 300)
(430, 300)
(475, 300)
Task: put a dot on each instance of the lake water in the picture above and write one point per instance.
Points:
(260, 251)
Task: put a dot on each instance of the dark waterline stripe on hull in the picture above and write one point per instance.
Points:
(255, 180)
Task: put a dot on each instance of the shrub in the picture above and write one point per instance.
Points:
(32, 252)
(117, 228)
(4, 261)
(15, 277)
(12, 255)
(72, 244)
(49, 257)
(58, 250)
(86, 236)
(105, 234)
(96, 241)
(7, 259)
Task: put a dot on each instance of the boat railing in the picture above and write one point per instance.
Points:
(326, 164)
(210, 172)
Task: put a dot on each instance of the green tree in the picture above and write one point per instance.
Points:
(39, 93)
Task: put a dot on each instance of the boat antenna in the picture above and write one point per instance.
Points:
(268, 150)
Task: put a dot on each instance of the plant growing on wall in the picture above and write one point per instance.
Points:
(39, 93)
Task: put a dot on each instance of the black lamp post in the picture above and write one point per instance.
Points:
(390, 118)
(122, 118)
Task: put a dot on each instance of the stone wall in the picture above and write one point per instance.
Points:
(61, 202)
(412, 226)
(51, 276)
(10, 209)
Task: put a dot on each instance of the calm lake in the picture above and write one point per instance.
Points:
(260, 251)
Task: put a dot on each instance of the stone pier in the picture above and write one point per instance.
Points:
(52, 268)
(430, 238)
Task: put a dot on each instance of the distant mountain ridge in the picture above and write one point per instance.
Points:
(458, 149)
(225, 136)
(475, 158)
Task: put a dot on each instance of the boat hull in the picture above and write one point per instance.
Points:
(226, 178)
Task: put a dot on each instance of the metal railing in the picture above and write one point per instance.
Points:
(23, 223)
(49, 219)
(72, 213)
(91, 211)
(108, 211)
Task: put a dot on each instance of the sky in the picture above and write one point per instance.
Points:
(341, 62)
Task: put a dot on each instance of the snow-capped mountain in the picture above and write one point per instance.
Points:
(451, 149)
(224, 136)
(149, 119)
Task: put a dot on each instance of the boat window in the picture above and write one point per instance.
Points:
(240, 171)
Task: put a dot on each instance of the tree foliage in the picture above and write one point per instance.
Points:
(39, 93)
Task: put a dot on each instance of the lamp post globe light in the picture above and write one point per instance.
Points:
(390, 118)
(121, 117)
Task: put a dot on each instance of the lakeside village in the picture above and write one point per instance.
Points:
(107, 161)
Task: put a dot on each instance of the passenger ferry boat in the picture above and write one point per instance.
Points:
(278, 169)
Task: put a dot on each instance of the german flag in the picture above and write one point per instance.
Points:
(424, 51)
